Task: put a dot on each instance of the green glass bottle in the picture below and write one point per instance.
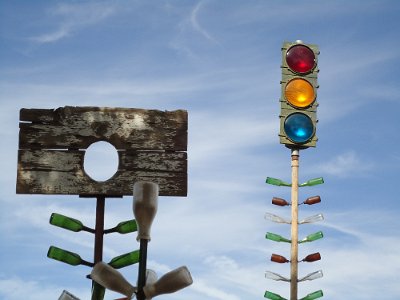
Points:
(312, 296)
(312, 237)
(124, 227)
(277, 182)
(127, 226)
(313, 182)
(273, 296)
(125, 259)
(276, 237)
(66, 222)
(67, 257)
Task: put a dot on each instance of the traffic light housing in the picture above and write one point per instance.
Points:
(298, 117)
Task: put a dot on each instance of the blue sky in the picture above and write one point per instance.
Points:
(220, 60)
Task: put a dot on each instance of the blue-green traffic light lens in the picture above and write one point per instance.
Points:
(299, 128)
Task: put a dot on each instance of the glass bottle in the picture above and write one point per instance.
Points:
(276, 237)
(273, 296)
(276, 276)
(169, 283)
(279, 259)
(66, 222)
(278, 182)
(276, 219)
(312, 219)
(312, 200)
(279, 201)
(67, 257)
(312, 296)
(313, 182)
(125, 260)
(123, 227)
(312, 237)
(312, 257)
(312, 276)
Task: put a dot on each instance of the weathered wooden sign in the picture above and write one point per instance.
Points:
(151, 145)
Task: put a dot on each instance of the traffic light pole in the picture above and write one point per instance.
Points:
(295, 224)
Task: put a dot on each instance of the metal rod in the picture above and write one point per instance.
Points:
(99, 229)
(295, 226)
(98, 290)
(142, 269)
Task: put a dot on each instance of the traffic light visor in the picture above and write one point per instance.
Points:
(299, 128)
(300, 59)
(299, 93)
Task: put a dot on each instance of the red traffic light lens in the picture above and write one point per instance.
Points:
(300, 59)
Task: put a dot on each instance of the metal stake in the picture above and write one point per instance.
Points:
(98, 291)
(142, 269)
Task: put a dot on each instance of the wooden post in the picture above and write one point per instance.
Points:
(295, 225)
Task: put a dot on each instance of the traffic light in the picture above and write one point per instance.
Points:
(298, 117)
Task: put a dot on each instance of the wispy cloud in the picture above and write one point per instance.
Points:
(10, 289)
(194, 16)
(346, 164)
(192, 33)
(74, 17)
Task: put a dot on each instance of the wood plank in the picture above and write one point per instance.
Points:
(53, 142)
(36, 115)
(125, 128)
(62, 172)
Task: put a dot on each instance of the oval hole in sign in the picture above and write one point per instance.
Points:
(101, 161)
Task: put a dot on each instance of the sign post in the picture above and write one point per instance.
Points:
(151, 147)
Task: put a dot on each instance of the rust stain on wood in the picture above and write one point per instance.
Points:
(151, 146)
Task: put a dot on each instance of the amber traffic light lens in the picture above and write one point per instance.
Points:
(299, 93)
(300, 59)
